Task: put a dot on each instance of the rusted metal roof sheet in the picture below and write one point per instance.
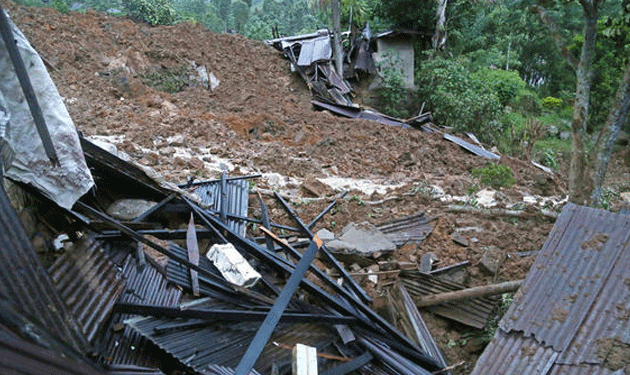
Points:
(147, 285)
(409, 229)
(575, 301)
(88, 283)
(237, 200)
(513, 354)
(474, 312)
(471, 147)
(25, 283)
(576, 260)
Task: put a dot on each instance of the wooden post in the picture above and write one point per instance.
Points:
(478, 291)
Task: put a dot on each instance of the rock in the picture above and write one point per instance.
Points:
(196, 163)
(129, 209)
(565, 134)
(366, 239)
(325, 235)
(178, 140)
(314, 187)
(625, 196)
(491, 260)
(459, 239)
(553, 131)
(354, 267)
(426, 262)
(341, 246)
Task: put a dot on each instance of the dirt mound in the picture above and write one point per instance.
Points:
(259, 118)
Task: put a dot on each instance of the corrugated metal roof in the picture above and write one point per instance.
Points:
(576, 260)
(237, 200)
(409, 229)
(574, 302)
(471, 147)
(88, 283)
(20, 357)
(25, 283)
(518, 355)
(145, 285)
(474, 312)
(318, 49)
(224, 344)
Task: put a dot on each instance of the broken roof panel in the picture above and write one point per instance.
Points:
(471, 147)
(25, 282)
(145, 284)
(237, 200)
(318, 49)
(474, 312)
(577, 258)
(409, 229)
(88, 283)
(575, 300)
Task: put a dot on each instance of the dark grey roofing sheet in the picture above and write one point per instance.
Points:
(224, 344)
(569, 274)
(20, 357)
(409, 229)
(237, 200)
(145, 285)
(473, 312)
(471, 147)
(88, 283)
(575, 299)
(25, 283)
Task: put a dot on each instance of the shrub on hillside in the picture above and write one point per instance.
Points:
(153, 12)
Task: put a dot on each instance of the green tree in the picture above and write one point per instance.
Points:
(240, 12)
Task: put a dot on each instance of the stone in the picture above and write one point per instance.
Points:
(491, 260)
(196, 163)
(178, 140)
(314, 187)
(325, 235)
(129, 209)
(565, 134)
(426, 262)
(553, 131)
(366, 239)
(625, 196)
(459, 239)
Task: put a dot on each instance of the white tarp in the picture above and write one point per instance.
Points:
(22, 150)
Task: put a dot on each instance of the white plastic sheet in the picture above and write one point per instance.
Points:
(21, 148)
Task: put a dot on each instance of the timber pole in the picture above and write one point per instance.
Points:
(464, 294)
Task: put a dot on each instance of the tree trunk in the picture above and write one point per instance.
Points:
(439, 38)
(464, 294)
(616, 119)
(580, 183)
(337, 51)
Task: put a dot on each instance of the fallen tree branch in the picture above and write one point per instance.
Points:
(501, 212)
(475, 292)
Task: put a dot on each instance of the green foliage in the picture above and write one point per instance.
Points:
(495, 175)
(506, 84)
(153, 12)
(551, 104)
(240, 12)
(527, 102)
(60, 5)
(171, 80)
(465, 101)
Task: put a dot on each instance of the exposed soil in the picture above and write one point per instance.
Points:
(260, 119)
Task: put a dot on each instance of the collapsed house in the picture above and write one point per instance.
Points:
(151, 278)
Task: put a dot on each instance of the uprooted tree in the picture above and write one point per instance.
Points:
(588, 169)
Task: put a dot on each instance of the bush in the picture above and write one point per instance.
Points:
(506, 84)
(527, 101)
(60, 5)
(169, 80)
(153, 12)
(458, 99)
(495, 175)
(551, 104)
